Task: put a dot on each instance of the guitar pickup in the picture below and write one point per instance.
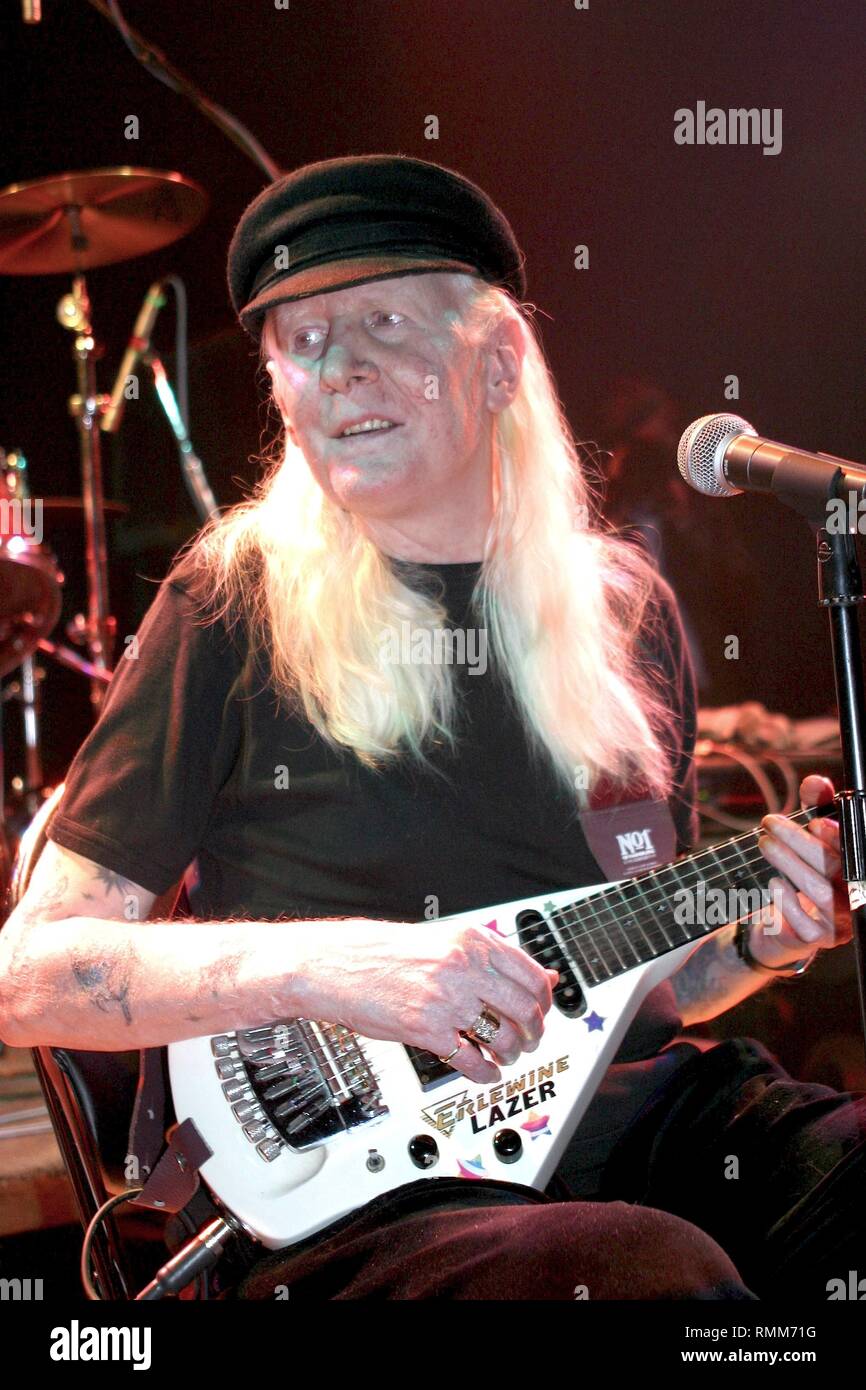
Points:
(539, 941)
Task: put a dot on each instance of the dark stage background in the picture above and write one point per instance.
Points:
(704, 261)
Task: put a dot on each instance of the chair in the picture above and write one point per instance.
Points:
(90, 1098)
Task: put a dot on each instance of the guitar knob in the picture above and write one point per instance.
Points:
(507, 1145)
(423, 1150)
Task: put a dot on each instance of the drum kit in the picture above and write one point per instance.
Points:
(68, 224)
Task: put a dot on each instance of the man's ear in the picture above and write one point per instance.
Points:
(504, 357)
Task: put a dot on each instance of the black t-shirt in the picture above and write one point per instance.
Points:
(193, 758)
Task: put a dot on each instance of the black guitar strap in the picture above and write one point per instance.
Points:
(147, 1129)
(172, 1179)
(628, 834)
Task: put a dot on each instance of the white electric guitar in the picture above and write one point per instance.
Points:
(307, 1120)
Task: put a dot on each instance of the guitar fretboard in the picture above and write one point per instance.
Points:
(627, 924)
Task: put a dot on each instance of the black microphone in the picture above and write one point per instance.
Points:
(723, 455)
(31, 11)
(137, 345)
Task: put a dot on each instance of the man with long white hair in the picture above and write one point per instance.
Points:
(288, 721)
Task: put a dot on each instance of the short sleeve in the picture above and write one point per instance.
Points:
(141, 788)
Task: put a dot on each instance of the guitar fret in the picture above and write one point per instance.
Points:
(649, 916)
(689, 880)
(616, 932)
(609, 959)
(577, 941)
(709, 926)
(700, 926)
(736, 845)
(655, 923)
(638, 958)
(757, 874)
(617, 927)
(664, 910)
(749, 873)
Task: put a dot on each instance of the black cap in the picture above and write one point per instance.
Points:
(342, 222)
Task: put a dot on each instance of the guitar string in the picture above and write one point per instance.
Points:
(745, 861)
(678, 866)
(642, 903)
(652, 893)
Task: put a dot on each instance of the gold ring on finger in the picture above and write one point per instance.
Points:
(485, 1026)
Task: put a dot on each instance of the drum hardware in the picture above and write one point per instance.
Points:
(30, 584)
(66, 509)
(72, 222)
(87, 218)
(194, 476)
(86, 414)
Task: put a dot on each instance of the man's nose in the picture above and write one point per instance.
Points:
(346, 360)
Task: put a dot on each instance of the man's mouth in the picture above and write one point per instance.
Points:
(375, 426)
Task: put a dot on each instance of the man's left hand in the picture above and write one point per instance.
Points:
(810, 904)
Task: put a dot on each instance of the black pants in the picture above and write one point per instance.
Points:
(735, 1181)
(772, 1168)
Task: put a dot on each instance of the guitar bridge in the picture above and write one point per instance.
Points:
(296, 1083)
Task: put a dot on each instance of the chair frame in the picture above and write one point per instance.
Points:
(63, 1076)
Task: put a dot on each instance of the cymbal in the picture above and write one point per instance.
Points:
(58, 508)
(30, 599)
(121, 213)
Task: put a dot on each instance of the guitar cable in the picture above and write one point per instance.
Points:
(95, 1222)
(192, 1261)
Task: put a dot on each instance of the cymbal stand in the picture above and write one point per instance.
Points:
(73, 313)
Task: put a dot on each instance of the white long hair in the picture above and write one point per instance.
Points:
(562, 600)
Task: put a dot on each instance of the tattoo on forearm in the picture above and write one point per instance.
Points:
(220, 978)
(107, 984)
(708, 974)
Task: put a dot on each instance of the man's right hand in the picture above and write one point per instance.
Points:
(422, 984)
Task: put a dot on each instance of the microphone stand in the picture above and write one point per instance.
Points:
(197, 484)
(840, 591)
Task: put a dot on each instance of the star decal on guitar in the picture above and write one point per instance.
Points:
(472, 1168)
(594, 1022)
(536, 1125)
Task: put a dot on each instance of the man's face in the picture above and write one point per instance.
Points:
(385, 349)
